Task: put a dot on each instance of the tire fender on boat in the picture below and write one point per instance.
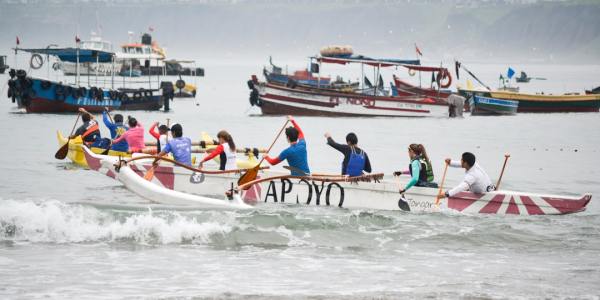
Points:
(45, 84)
(59, 92)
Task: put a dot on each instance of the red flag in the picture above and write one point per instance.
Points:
(151, 29)
(77, 40)
(418, 50)
(18, 41)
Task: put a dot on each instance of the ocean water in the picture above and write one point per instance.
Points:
(66, 232)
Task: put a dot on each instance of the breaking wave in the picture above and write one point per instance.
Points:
(57, 222)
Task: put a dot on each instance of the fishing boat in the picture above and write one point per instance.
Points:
(534, 103)
(95, 43)
(404, 88)
(39, 95)
(275, 99)
(363, 192)
(486, 106)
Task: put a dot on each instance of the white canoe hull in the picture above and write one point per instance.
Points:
(363, 195)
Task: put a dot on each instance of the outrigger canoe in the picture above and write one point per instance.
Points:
(363, 192)
(76, 154)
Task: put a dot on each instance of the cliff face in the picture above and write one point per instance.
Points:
(491, 30)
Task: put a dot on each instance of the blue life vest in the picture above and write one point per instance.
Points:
(356, 163)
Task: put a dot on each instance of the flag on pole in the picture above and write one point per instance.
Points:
(18, 41)
(77, 40)
(151, 29)
(510, 73)
(419, 53)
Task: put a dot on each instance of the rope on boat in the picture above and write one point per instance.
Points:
(236, 171)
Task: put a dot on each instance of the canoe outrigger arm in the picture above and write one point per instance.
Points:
(122, 162)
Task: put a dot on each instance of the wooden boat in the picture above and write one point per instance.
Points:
(485, 106)
(363, 192)
(542, 102)
(406, 89)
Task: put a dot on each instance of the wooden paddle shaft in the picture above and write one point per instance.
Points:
(275, 140)
(437, 200)
(506, 156)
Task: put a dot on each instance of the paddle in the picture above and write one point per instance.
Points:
(251, 174)
(402, 204)
(506, 156)
(64, 149)
(150, 174)
(437, 200)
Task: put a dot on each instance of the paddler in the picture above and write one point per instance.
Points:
(116, 129)
(225, 150)
(179, 146)
(89, 131)
(296, 153)
(355, 159)
(134, 136)
(420, 168)
(476, 179)
(161, 136)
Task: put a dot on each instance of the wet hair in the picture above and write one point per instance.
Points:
(419, 150)
(118, 118)
(131, 121)
(469, 158)
(163, 128)
(352, 138)
(292, 134)
(227, 137)
(86, 117)
(177, 130)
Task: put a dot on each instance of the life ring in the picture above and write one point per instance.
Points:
(36, 61)
(59, 93)
(412, 72)
(45, 84)
(444, 74)
(180, 84)
(137, 96)
(99, 94)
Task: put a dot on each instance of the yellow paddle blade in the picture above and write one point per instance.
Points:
(150, 174)
(250, 175)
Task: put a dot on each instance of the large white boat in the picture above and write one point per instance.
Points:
(133, 59)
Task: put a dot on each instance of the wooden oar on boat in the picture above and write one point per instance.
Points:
(156, 157)
(64, 149)
(437, 199)
(251, 174)
(506, 156)
(150, 174)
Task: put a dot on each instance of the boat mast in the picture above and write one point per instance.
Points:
(77, 66)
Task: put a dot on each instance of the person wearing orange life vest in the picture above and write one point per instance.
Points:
(226, 152)
(89, 131)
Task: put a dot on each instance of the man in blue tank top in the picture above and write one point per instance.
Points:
(295, 154)
(355, 159)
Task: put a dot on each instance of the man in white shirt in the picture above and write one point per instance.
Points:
(476, 179)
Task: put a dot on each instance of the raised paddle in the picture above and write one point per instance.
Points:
(251, 174)
(64, 149)
(437, 200)
(506, 156)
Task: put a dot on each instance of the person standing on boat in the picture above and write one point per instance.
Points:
(161, 136)
(226, 152)
(89, 131)
(295, 154)
(355, 159)
(179, 146)
(476, 179)
(116, 129)
(134, 136)
(420, 168)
